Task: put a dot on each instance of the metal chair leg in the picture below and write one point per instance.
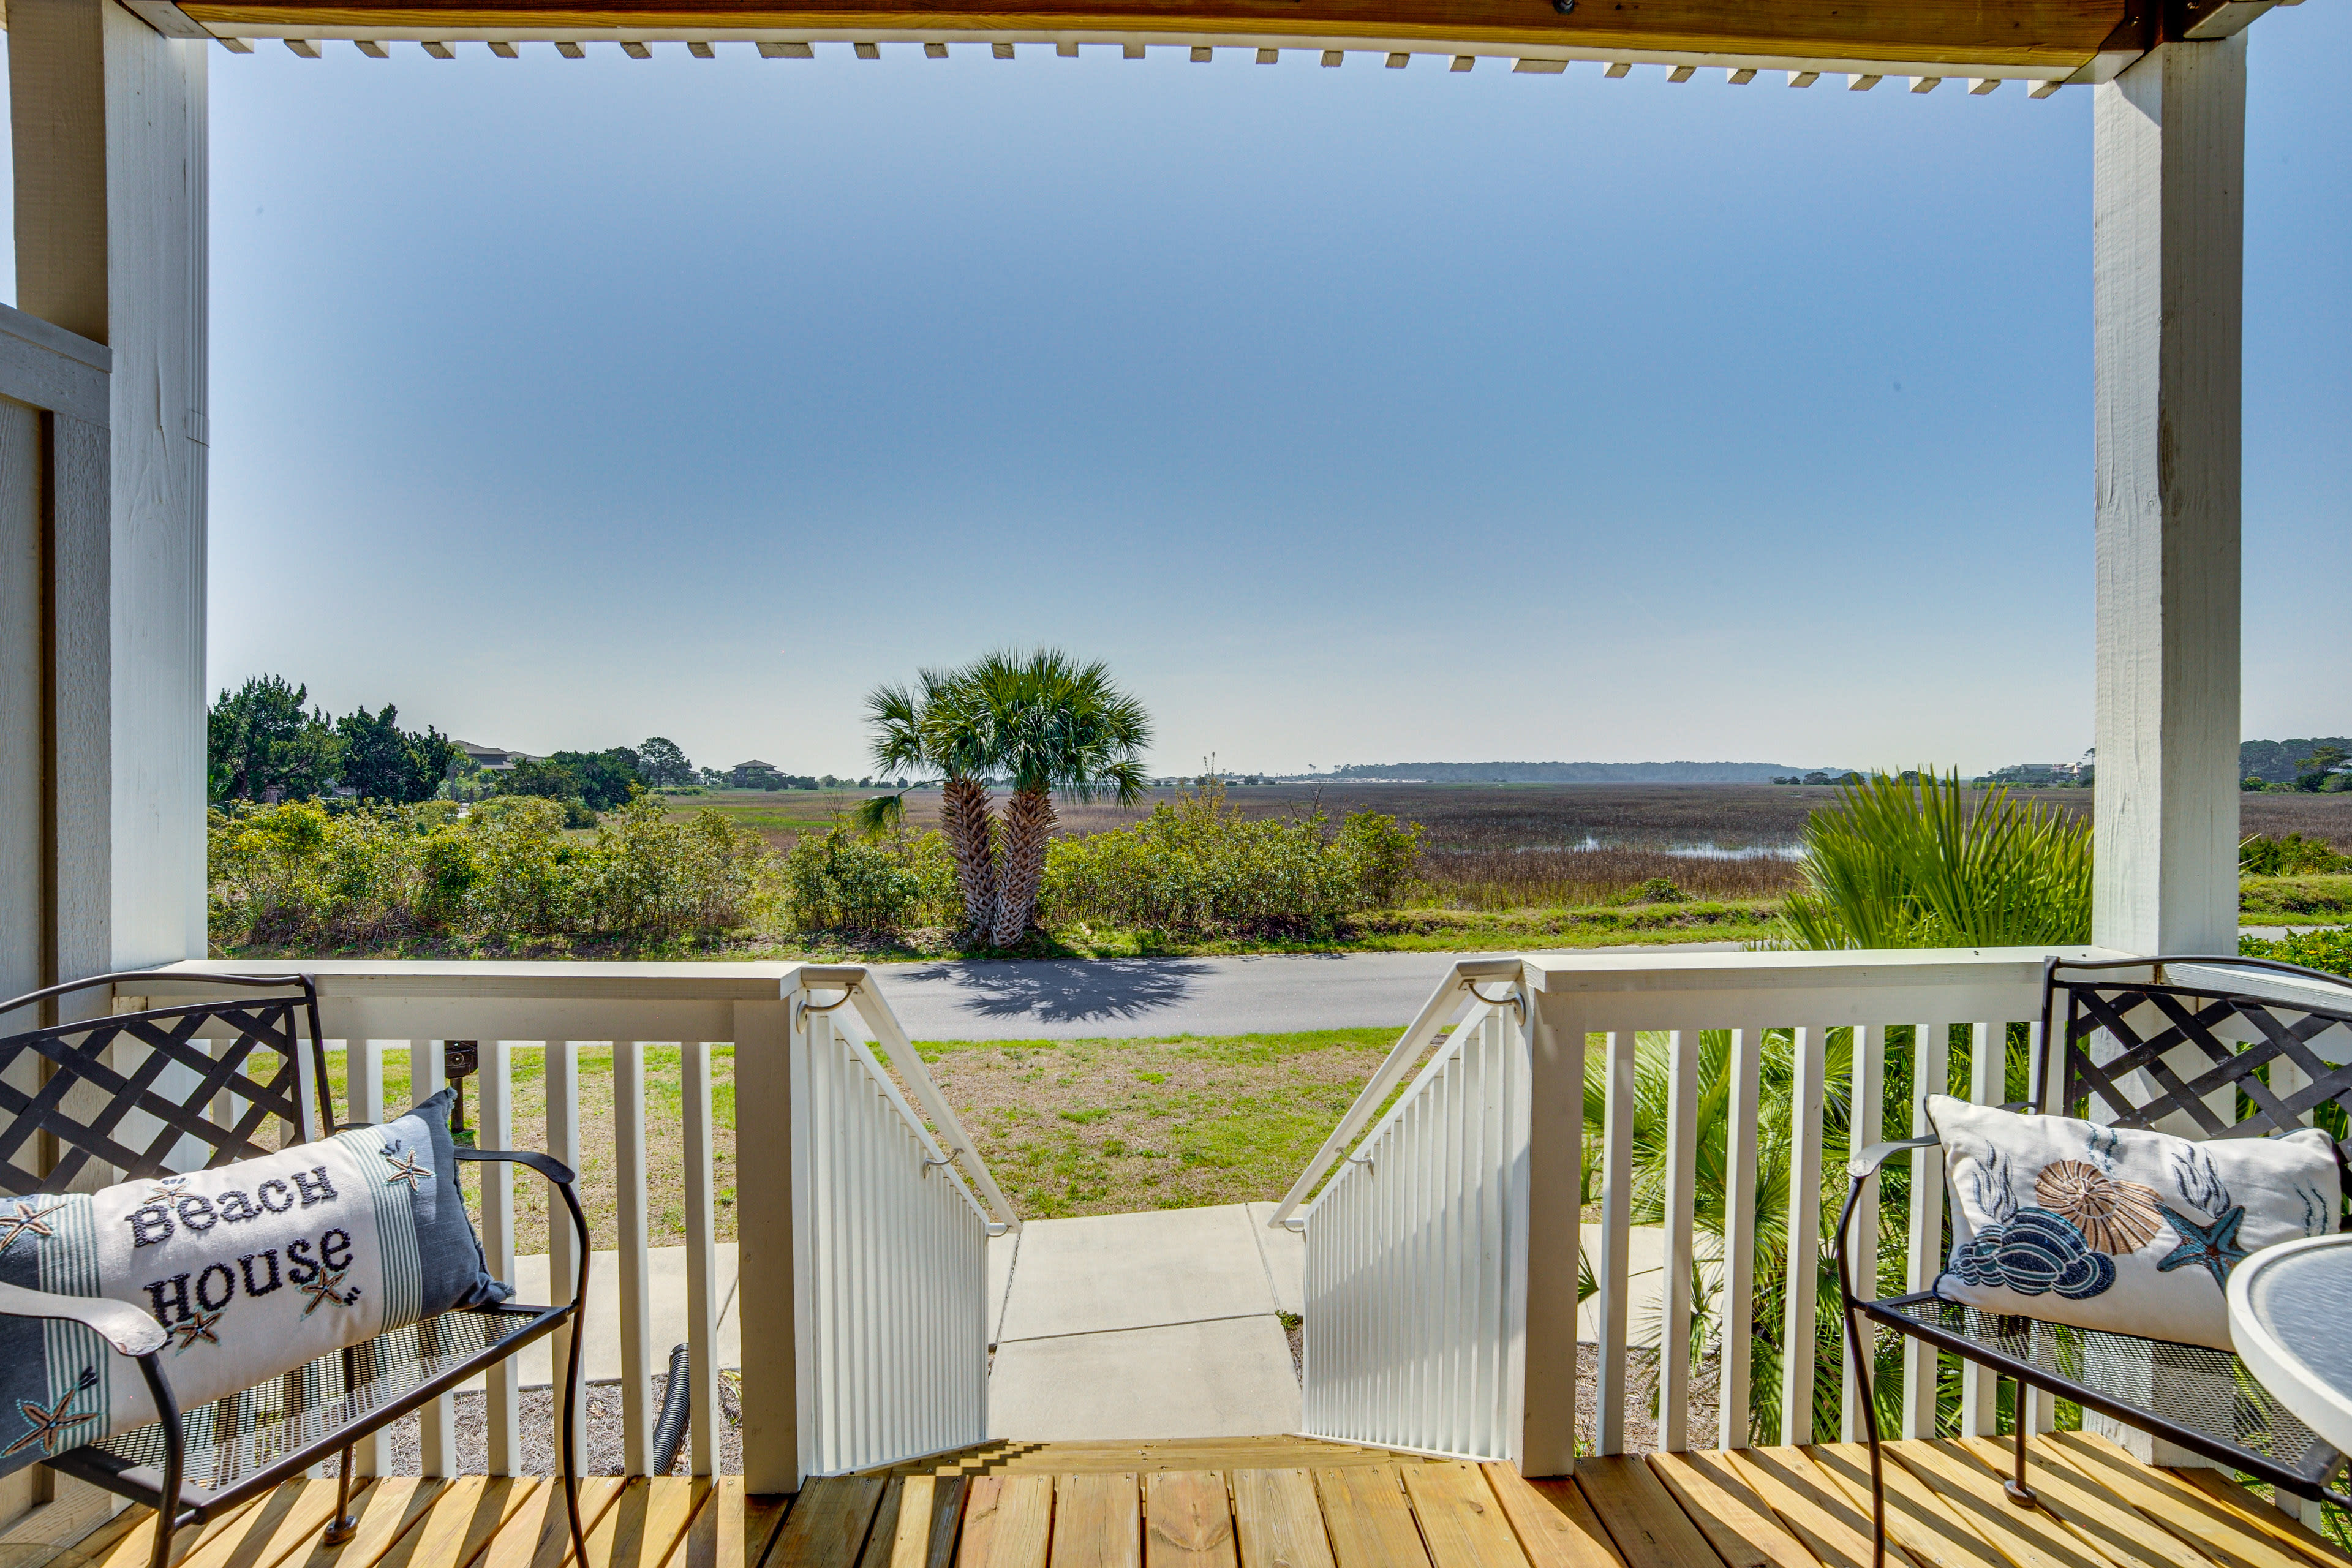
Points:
(2017, 1491)
(344, 1525)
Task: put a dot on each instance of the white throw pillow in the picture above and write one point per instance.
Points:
(253, 1268)
(2132, 1232)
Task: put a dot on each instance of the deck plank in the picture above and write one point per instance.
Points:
(2117, 1527)
(906, 1543)
(1924, 1526)
(1366, 1518)
(2165, 1498)
(1641, 1516)
(947, 1497)
(539, 1536)
(1461, 1524)
(1098, 1521)
(1736, 1523)
(387, 1511)
(127, 1539)
(827, 1525)
(1814, 1508)
(281, 1525)
(2026, 1536)
(728, 1530)
(1278, 1523)
(1554, 1531)
(882, 1536)
(1007, 1523)
(1188, 1520)
(2236, 1499)
(461, 1523)
(644, 1527)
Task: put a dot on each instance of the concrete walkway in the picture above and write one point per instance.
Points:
(1093, 998)
(1162, 1324)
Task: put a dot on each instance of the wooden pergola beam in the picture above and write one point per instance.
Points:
(2053, 39)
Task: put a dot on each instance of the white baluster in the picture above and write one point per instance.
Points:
(437, 1421)
(1616, 1224)
(1869, 1099)
(562, 1075)
(1681, 1194)
(1988, 1079)
(1798, 1348)
(635, 1260)
(494, 1124)
(1930, 1060)
(363, 1101)
(1739, 1310)
(701, 1253)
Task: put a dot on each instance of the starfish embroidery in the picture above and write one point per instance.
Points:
(27, 1220)
(164, 1190)
(50, 1423)
(197, 1329)
(405, 1168)
(2215, 1245)
(322, 1288)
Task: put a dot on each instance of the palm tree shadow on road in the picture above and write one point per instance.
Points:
(1066, 991)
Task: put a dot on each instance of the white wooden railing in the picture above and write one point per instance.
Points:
(862, 1268)
(1415, 1259)
(1441, 1253)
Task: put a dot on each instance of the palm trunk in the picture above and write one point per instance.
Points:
(964, 822)
(1028, 826)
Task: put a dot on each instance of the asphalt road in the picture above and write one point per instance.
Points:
(1072, 999)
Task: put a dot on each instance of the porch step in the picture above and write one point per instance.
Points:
(1097, 1457)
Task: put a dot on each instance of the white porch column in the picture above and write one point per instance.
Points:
(108, 124)
(2167, 256)
(2168, 241)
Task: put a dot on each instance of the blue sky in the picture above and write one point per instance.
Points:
(1351, 415)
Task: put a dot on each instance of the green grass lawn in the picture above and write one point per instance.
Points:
(2295, 901)
(1068, 1127)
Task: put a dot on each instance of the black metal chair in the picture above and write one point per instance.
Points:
(2199, 1398)
(55, 1083)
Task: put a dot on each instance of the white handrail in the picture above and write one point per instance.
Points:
(1435, 1013)
(874, 1010)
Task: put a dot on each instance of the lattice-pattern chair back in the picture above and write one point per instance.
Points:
(2150, 1014)
(83, 1100)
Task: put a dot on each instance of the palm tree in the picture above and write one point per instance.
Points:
(936, 727)
(1051, 724)
(1908, 862)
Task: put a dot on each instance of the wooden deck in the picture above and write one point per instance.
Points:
(1291, 1503)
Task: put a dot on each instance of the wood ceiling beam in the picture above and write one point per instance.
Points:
(2088, 38)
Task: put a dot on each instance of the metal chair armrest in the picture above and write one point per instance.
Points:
(1867, 1163)
(554, 1170)
(130, 1330)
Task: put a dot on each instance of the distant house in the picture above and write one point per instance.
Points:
(496, 759)
(756, 774)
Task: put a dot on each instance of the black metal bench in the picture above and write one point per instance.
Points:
(63, 1109)
(2199, 1398)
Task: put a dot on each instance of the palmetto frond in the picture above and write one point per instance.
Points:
(1908, 862)
(880, 815)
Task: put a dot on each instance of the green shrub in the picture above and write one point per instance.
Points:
(1195, 864)
(1906, 862)
(300, 873)
(2327, 950)
(839, 880)
(2262, 856)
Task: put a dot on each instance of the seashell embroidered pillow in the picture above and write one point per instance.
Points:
(2132, 1232)
(255, 1268)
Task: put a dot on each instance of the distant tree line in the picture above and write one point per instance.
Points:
(2312, 766)
(263, 743)
(267, 745)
